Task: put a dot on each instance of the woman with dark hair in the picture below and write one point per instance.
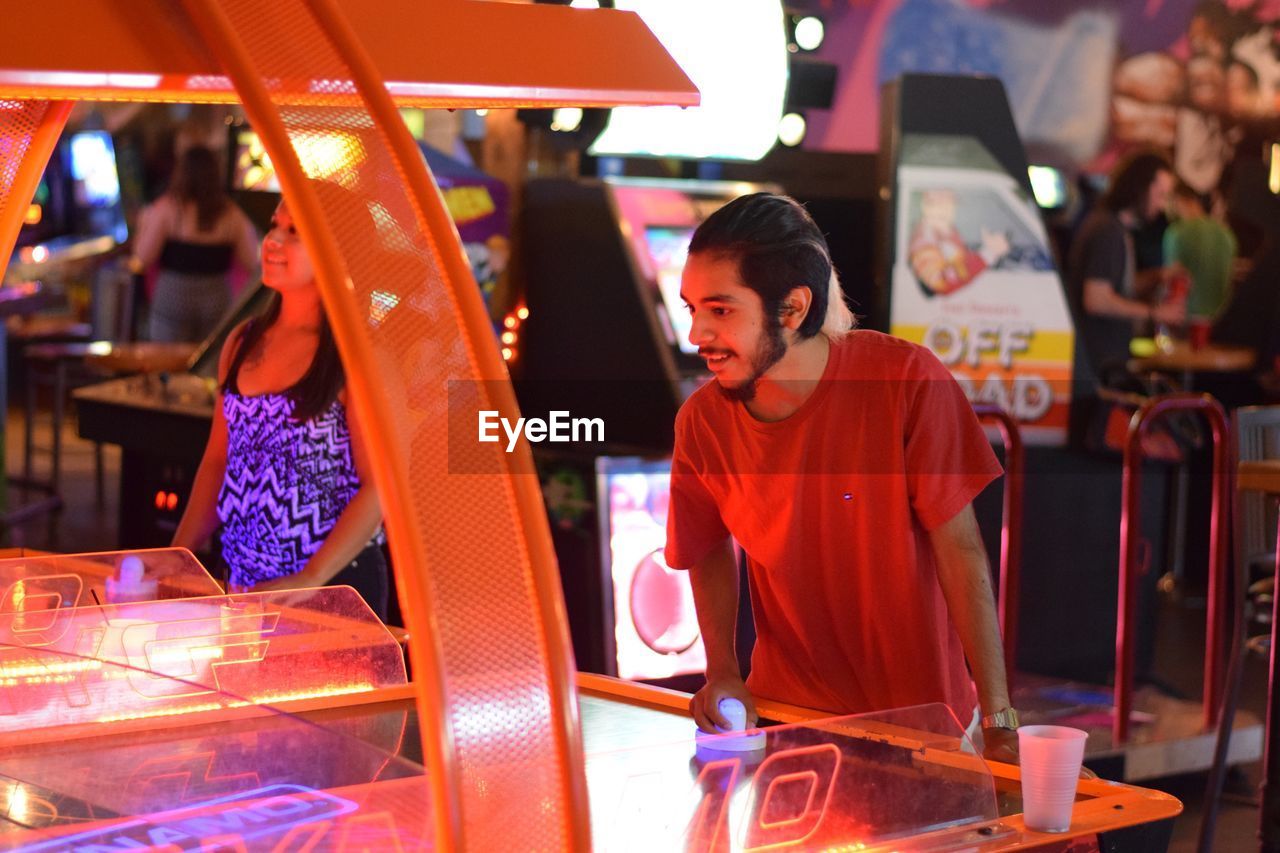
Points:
(194, 231)
(285, 472)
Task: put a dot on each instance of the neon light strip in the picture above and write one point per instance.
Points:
(81, 79)
(267, 699)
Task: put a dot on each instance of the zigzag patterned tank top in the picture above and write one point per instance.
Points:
(285, 486)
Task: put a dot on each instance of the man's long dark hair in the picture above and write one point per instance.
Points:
(197, 180)
(778, 247)
(1132, 179)
(324, 379)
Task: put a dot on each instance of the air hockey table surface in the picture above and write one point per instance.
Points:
(283, 721)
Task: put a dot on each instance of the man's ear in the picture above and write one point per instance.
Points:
(795, 307)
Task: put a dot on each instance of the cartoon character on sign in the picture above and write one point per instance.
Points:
(940, 258)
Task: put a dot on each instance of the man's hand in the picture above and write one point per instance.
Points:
(705, 704)
(1172, 312)
(1000, 745)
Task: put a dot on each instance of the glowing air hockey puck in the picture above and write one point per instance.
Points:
(724, 739)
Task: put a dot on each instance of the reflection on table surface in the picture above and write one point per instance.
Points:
(1180, 356)
(141, 356)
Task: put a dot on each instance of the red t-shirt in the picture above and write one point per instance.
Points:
(832, 506)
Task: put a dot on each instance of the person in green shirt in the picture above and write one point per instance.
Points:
(1203, 246)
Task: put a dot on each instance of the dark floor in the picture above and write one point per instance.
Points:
(1178, 664)
(84, 525)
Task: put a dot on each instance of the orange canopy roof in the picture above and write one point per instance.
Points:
(432, 53)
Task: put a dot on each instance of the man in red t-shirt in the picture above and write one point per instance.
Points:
(844, 463)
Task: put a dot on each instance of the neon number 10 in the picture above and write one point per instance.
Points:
(789, 798)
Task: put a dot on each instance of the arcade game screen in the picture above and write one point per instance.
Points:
(93, 167)
(669, 248)
(1049, 186)
(655, 624)
(252, 169)
(96, 185)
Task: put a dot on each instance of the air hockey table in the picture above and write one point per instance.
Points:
(142, 708)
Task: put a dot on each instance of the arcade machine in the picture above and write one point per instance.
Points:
(607, 336)
(253, 182)
(273, 720)
(76, 211)
(145, 707)
(607, 333)
(971, 274)
(1059, 205)
(75, 214)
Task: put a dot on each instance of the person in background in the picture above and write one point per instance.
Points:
(1204, 247)
(194, 232)
(1106, 292)
(285, 471)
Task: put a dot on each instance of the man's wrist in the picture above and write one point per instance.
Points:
(721, 673)
(1004, 718)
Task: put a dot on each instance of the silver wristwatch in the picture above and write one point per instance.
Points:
(1003, 719)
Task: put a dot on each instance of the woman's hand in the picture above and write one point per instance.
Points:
(298, 580)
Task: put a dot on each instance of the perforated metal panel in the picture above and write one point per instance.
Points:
(406, 323)
(28, 133)
(18, 123)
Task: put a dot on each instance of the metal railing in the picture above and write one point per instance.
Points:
(1147, 414)
(1010, 529)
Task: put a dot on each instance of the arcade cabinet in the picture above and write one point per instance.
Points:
(607, 336)
(145, 707)
(968, 271)
(76, 212)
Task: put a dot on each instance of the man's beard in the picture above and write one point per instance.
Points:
(769, 352)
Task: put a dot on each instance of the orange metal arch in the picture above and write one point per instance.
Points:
(495, 749)
(530, 512)
(30, 130)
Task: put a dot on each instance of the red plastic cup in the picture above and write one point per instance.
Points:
(1198, 333)
(1179, 286)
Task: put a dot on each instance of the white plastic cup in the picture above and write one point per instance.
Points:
(1050, 758)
